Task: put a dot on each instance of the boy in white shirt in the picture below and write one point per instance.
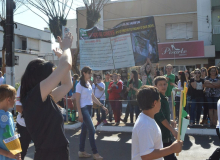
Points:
(146, 135)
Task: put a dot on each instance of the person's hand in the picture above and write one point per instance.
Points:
(66, 42)
(193, 84)
(131, 86)
(176, 146)
(148, 61)
(80, 118)
(17, 156)
(58, 52)
(173, 123)
(105, 109)
(174, 133)
(113, 85)
(167, 78)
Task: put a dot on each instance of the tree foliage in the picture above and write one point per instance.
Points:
(93, 8)
(56, 11)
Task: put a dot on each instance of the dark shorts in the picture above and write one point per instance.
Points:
(52, 154)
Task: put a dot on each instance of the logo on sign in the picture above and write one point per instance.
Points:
(173, 50)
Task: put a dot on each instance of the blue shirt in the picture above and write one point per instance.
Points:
(9, 122)
(71, 92)
(4, 82)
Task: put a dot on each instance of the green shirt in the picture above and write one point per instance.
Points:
(163, 114)
(131, 91)
(149, 80)
(106, 90)
(169, 88)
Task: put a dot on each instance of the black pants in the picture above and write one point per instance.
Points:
(25, 139)
(171, 156)
(52, 154)
(206, 110)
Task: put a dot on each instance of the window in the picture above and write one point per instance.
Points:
(179, 31)
(216, 29)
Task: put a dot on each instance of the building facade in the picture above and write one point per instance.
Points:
(30, 43)
(178, 23)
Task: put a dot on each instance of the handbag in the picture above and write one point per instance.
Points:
(95, 106)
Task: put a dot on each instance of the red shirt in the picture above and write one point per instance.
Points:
(114, 92)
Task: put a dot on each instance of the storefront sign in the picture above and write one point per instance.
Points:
(179, 50)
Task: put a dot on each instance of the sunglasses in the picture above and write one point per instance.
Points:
(203, 70)
(196, 72)
(98, 77)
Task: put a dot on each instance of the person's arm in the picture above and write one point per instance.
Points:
(171, 129)
(19, 108)
(96, 101)
(99, 87)
(119, 85)
(61, 73)
(10, 155)
(78, 96)
(176, 147)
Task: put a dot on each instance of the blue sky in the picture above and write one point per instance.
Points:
(30, 19)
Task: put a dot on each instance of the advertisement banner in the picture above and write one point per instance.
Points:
(128, 44)
(179, 50)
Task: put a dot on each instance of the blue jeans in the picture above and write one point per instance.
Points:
(188, 98)
(98, 113)
(130, 109)
(87, 124)
(107, 105)
(196, 107)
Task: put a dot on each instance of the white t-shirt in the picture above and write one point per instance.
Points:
(146, 137)
(179, 87)
(218, 113)
(1, 80)
(97, 92)
(19, 119)
(86, 94)
(121, 82)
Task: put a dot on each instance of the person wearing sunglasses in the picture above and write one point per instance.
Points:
(197, 99)
(98, 88)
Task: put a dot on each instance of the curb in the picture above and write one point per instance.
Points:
(190, 131)
(73, 126)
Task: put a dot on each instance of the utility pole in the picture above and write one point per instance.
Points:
(10, 6)
(10, 57)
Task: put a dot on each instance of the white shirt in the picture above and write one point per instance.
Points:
(86, 94)
(1, 80)
(97, 92)
(179, 87)
(146, 137)
(19, 119)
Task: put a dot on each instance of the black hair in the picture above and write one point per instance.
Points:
(146, 97)
(82, 78)
(159, 78)
(135, 79)
(36, 71)
(182, 78)
(145, 70)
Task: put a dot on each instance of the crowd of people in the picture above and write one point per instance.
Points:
(147, 93)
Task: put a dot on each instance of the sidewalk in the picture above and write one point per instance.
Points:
(127, 127)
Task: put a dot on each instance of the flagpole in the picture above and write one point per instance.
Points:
(180, 118)
(173, 107)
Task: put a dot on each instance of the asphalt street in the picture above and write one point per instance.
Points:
(117, 146)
